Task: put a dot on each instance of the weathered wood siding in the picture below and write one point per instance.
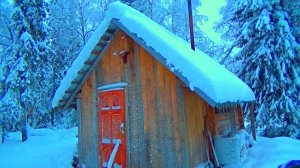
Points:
(111, 66)
(223, 119)
(195, 112)
(88, 121)
(223, 123)
(239, 117)
(164, 119)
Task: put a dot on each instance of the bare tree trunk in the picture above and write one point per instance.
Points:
(24, 124)
(1, 135)
(52, 117)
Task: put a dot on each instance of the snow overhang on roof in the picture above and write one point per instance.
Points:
(210, 80)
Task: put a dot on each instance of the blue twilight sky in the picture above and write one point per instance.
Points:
(210, 8)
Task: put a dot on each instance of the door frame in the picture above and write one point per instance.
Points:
(112, 87)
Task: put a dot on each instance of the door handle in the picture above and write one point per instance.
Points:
(122, 128)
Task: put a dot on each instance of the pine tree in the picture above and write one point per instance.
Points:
(270, 63)
(6, 37)
(292, 7)
(26, 67)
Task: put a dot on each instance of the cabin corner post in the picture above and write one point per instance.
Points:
(94, 120)
(79, 145)
(252, 118)
(240, 116)
(232, 122)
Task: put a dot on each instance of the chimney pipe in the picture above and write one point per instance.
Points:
(191, 24)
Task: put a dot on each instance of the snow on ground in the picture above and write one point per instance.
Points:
(45, 148)
(272, 152)
(54, 149)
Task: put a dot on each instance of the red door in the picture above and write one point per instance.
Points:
(112, 127)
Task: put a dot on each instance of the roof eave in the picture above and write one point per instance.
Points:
(162, 60)
(100, 49)
(233, 103)
(90, 64)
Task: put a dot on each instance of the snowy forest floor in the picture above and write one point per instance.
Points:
(45, 148)
(54, 149)
(272, 152)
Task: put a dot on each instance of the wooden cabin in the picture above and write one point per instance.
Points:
(137, 108)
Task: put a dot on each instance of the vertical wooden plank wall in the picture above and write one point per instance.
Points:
(89, 123)
(151, 123)
(173, 117)
(195, 110)
(112, 69)
(135, 122)
(211, 118)
(111, 66)
(239, 117)
(161, 114)
(79, 119)
(156, 116)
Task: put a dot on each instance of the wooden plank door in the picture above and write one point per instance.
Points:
(111, 119)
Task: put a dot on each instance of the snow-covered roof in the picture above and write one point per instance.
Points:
(210, 80)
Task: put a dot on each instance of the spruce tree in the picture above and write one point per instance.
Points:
(26, 67)
(270, 63)
(292, 7)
